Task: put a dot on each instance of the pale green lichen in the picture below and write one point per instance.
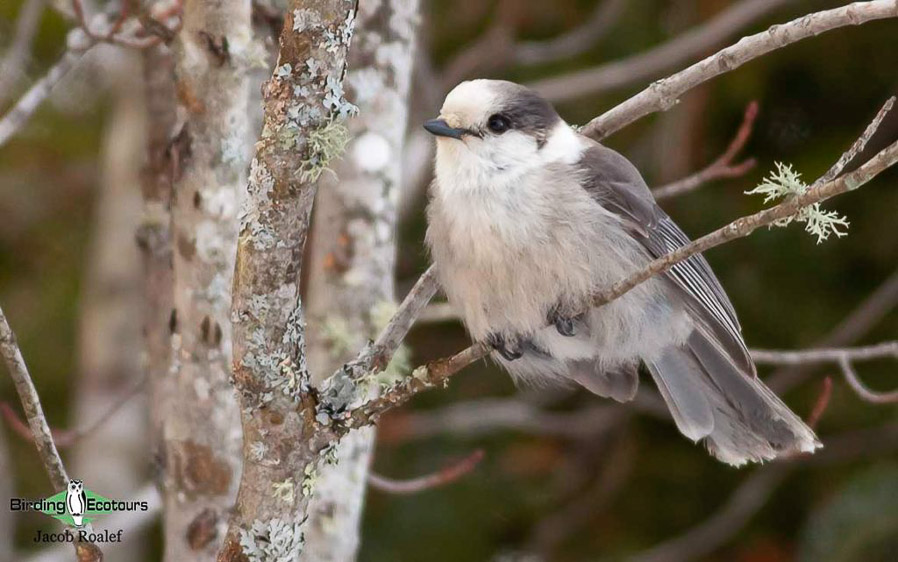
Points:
(284, 491)
(785, 182)
(310, 478)
(323, 145)
(273, 541)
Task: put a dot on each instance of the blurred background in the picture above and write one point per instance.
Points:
(566, 476)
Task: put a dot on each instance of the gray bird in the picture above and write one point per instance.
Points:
(527, 219)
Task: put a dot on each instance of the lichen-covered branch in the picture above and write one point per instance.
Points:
(303, 132)
(201, 441)
(350, 292)
(663, 94)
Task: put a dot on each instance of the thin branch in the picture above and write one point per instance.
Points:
(37, 421)
(438, 312)
(80, 41)
(858, 145)
(723, 167)
(16, 57)
(883, 350)
(641, 67)
(663, 94)
(66, 438)
(31, 404)
(444, 476)
(853, 327)
(822, 403)
(744, 226)
(861, 389)
(574, 42)
(16, 117)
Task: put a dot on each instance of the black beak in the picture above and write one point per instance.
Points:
(440, 128)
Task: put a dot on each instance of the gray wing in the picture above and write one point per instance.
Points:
(617, 185)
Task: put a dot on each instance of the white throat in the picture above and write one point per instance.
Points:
(477, 165)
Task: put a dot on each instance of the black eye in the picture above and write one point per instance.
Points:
(498, 123)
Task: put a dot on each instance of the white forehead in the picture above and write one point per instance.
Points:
(470, 100)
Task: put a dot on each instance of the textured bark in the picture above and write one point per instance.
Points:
(350, 288)
(201, 432)
(112, 457)
(301, 132)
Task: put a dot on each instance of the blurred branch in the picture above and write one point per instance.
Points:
(647, 65)
(66, 438)
(40, 430)
(553, 529)
(16, 117)
(663, 94)
(855, 325)
(574, 42)
(756, 490)
(488, 51)
(861, 390)
(444, 476)
(887, 349)
(723, 167)
(16, 57)
(476, 418)
(80, 41)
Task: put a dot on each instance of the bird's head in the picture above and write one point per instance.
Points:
(494, 128)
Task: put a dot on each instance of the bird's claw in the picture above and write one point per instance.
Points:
(563, 324)
(498, 343)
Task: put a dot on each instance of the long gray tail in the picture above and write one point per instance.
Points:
(739, 418)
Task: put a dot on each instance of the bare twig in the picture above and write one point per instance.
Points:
(853, 327)
(40, 430)
(663, 94)
(861, 389)
(844, 357)
(11, 66)
(574, 42)
(826, 392)
(883, 350)
(16, 117)
(80, 41)
(444, 476)
(858, 145)
(644, 66)
(66, 438)
(31, 404)
(723, 167)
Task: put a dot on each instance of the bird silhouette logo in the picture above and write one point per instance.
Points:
(75, 501)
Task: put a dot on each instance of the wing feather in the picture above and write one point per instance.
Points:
(617, 185)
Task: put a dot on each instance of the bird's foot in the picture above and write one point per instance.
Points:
(563, 324)
(507, 351)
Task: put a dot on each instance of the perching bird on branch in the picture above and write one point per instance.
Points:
(528, 219)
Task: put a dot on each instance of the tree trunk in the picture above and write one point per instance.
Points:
(201, 432)
(302, 133)
(350, 291)
(111, 458)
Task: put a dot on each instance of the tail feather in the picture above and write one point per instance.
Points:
(748, 422)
